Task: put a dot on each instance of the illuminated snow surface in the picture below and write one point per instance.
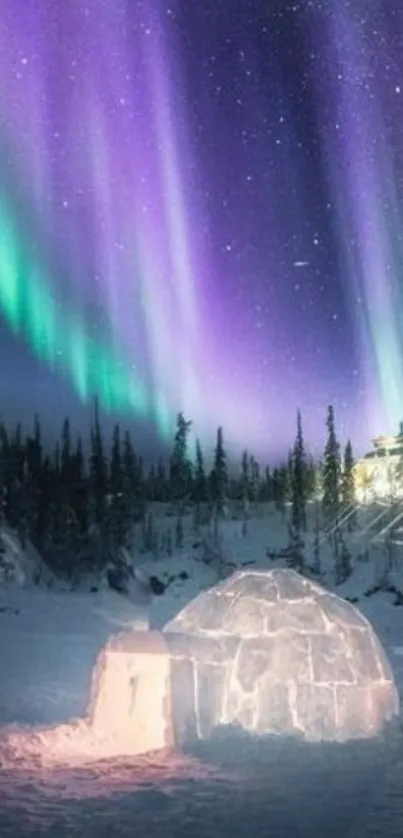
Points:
(63, 781)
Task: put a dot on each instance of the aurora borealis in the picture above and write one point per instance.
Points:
(201, 210)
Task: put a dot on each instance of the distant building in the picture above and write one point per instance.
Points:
(379, 474)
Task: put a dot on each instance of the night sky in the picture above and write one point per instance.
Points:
(201, 209)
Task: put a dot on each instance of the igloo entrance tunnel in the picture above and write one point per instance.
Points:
(271, 652)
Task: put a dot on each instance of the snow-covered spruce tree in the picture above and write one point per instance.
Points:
(34, 453)
(181, 467)
(149, 535)
(65, 453)
(98, 495)
(60, 549)
(118, 513)
(4, 473)
(276, 488)
(255, 481)
(98, 470)
(199, 489)
(115, 463)
(79, 488)
(245, 490)
(161, 487)
(219, 476)
(298, 484)
(49, 492)
(281, 488)
(150, 484)
(266, 486)
(317, 483)
(287, 471)
(116, 474)
(63, 497)
(15, 510)
(331, 476)
(64, 541)
(45, 496)
(295, 550)
(218, 491)
(343, 564)
(310, 479)
(133, 478)
(348, 498)
(316, 562)
(29, 484)
(49, 505)
(76, 510)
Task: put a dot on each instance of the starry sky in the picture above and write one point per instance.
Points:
(201, 210)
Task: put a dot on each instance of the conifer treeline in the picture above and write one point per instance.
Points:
(79, 510)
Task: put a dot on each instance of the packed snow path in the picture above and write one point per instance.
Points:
(274, 788)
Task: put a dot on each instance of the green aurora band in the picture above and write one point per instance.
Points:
(58, 335)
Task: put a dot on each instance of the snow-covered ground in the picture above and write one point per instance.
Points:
(49, 642)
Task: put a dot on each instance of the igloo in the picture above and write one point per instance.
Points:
(268, 651)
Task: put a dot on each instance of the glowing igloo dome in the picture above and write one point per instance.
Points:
(270, 652)
(277, 653)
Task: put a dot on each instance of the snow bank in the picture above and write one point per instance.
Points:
(21, 566)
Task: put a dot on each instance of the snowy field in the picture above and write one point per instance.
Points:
(49, 641)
